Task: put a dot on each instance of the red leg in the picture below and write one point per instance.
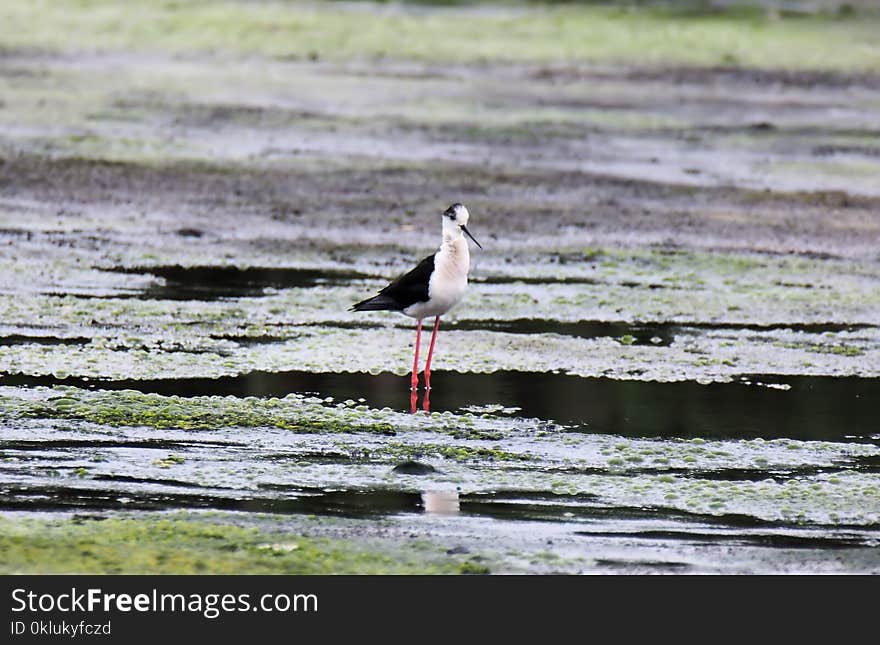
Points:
(431, 353)
(414, 383)
(413, 400)
(426, 401)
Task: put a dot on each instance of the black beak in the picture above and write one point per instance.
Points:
(468, 233)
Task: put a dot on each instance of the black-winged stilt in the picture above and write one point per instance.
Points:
(434, 287)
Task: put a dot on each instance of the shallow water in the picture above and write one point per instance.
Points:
(212, 282)
(595, 501)
(808, 408)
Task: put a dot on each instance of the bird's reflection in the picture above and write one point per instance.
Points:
(414, 401)
(441, 502)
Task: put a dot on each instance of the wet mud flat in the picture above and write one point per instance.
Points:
(667, 361)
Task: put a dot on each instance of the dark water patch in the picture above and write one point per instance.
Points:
(81, 518)
(659, 334)
(633, 333)
(866, 463)
(22, 339)
(741, 520)
(55, 498)
(528, 506)
(501, 279)
(85, 295)
(643, 332)
(383, 388)
(814, 408)
(530, 495)
(16, 232)
(830, 150)
(820, 328)
(353, 324)
(176, 483)
(413, 468)
(642, 564)
(542, 507)
(39, 459)
(310, 457)
(854, 463)
(650, 334)
(347, 503)
(190, 232)
(580, 470)
(182, 350)
(807, 328)
(268, 339)
(215, 282)
(363, 504)
(251, 341)
(775, 540)
(755, 474)
(76, 444)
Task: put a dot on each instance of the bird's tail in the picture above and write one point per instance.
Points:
(377, 303)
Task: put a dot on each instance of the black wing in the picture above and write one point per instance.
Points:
(406, 290)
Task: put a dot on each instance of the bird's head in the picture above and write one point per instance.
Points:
(455, 219)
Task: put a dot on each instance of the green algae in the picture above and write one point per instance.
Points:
(295, 413)
(449, 35)
(190, 544)
(133, 408)
(169, 461)
(458, 453)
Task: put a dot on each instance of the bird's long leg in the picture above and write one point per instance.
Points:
(431, 353)
(414, 383)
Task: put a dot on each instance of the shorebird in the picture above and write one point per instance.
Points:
(432, 288)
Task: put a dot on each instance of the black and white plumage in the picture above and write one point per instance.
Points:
(434, 286)
(409, 289)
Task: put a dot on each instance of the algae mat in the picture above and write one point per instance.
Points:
(667, 360)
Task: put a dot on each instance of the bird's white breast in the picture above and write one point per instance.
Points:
(448, 281)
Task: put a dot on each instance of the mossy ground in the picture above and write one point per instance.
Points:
(642, 36)
(190, 544)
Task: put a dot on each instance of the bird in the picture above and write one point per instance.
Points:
(432, 288)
